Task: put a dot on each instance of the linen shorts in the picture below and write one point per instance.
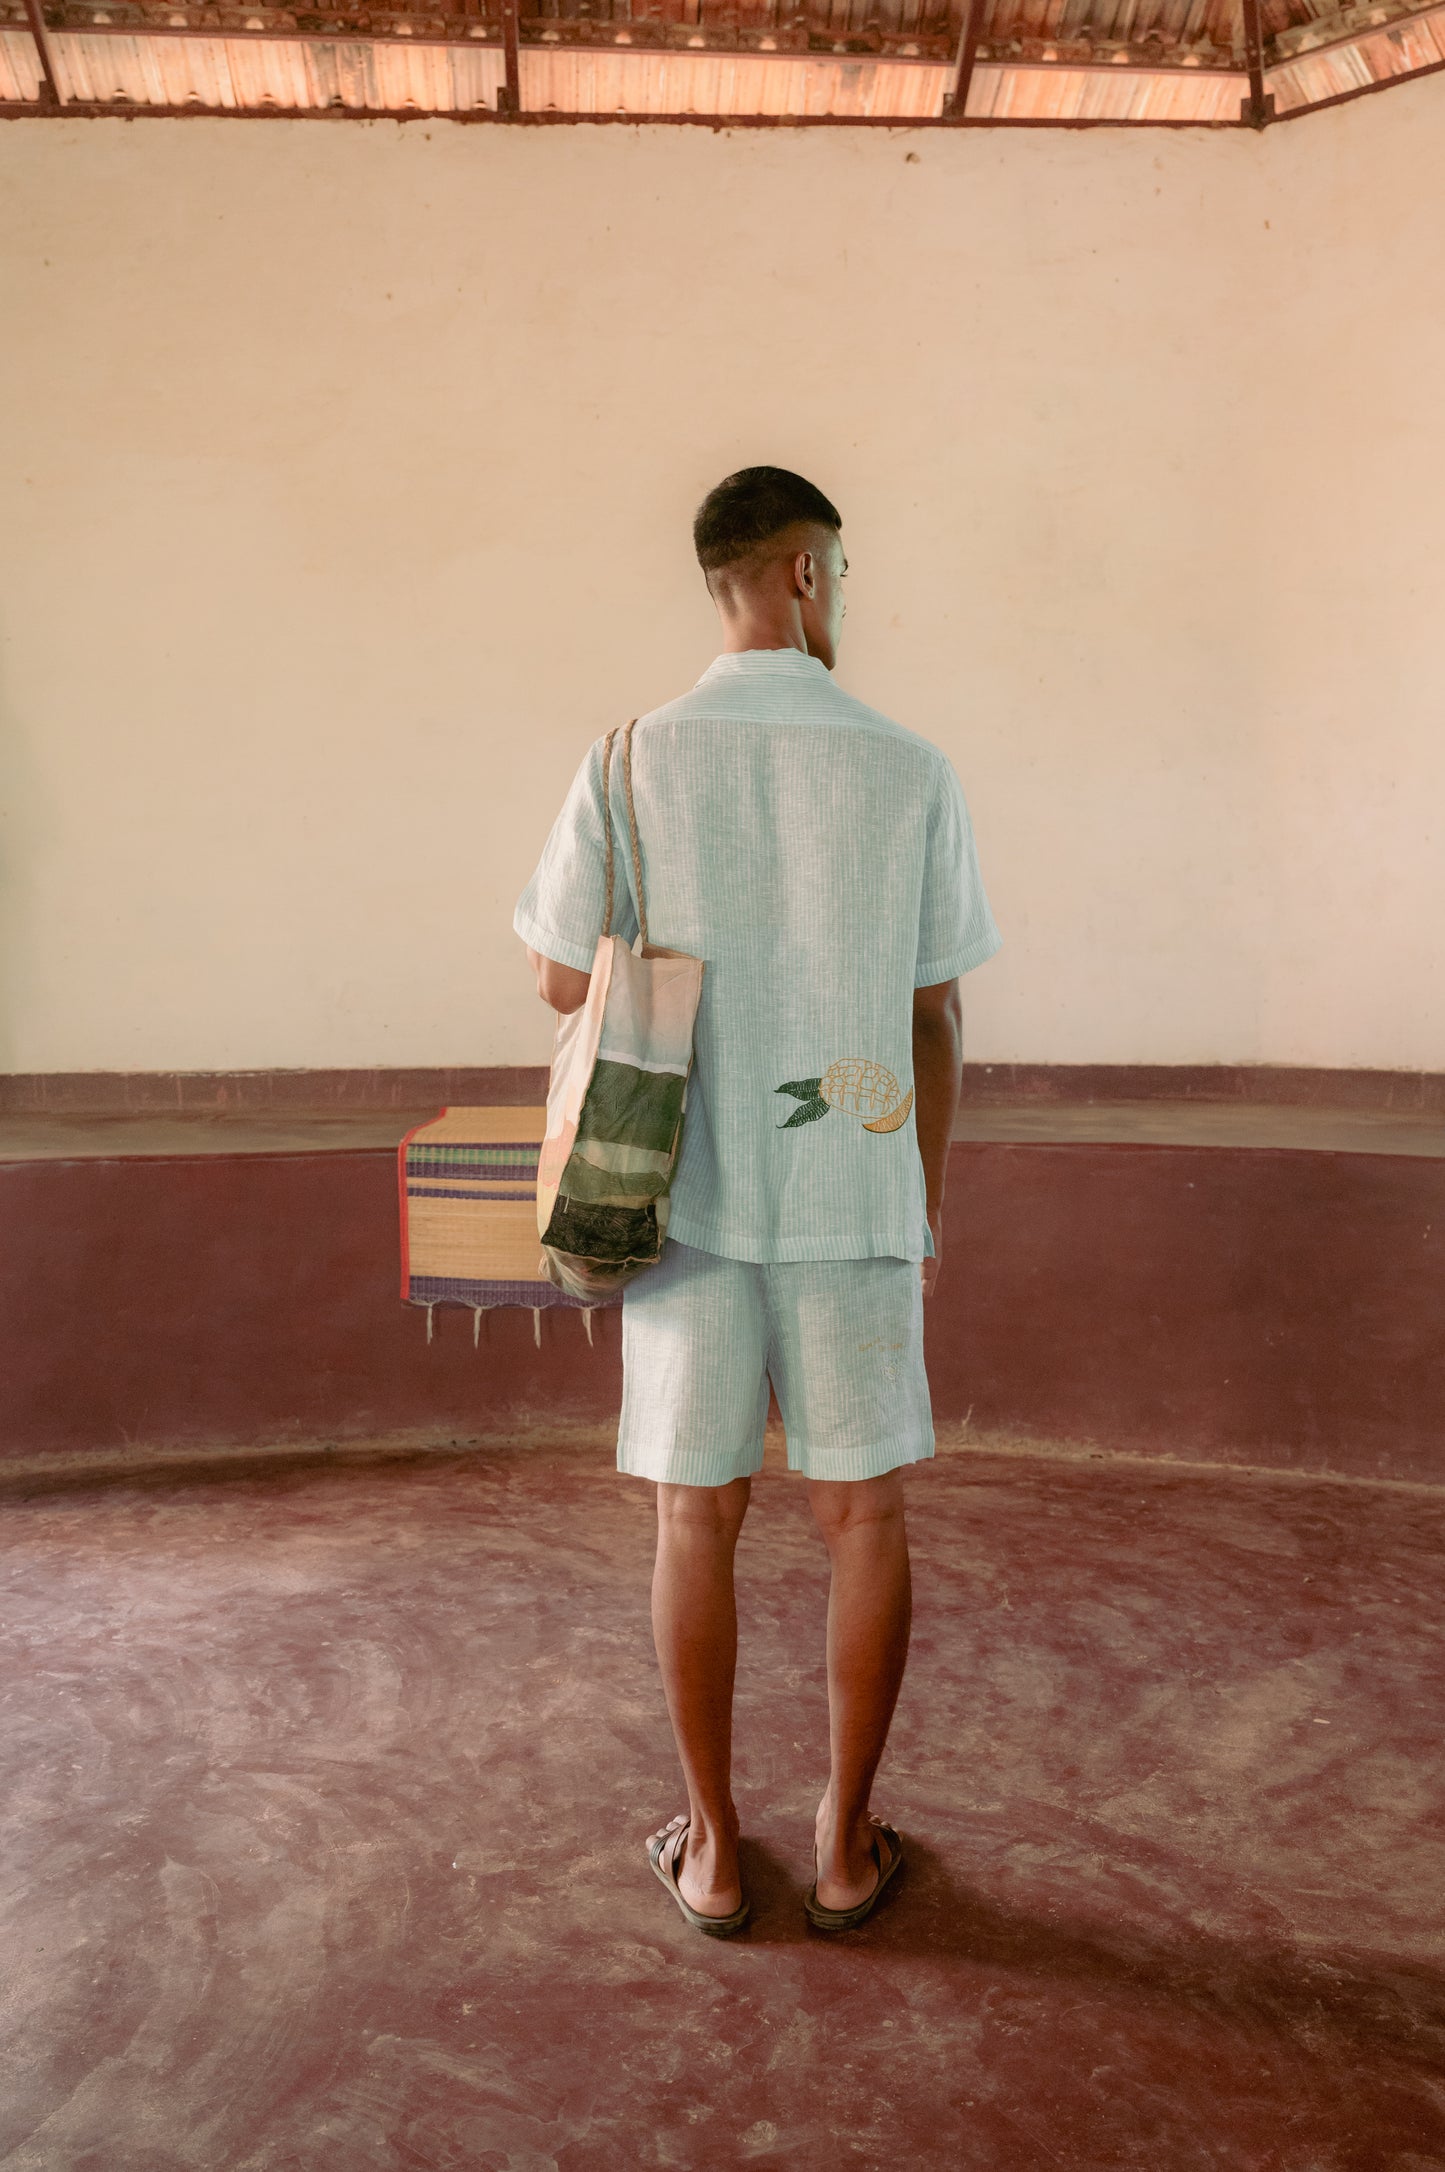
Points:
(841, 1341)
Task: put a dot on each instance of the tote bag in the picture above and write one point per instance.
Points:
(615, 1099)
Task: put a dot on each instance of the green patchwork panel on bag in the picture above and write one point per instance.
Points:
(640, 1178)
(627, 1106)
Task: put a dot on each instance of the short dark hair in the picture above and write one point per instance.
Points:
(749, 508)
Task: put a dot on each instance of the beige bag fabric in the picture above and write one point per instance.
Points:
(616, 1096)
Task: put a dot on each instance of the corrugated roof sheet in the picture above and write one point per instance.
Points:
(786, 20)
(558, 80)
(1371, 57)
(362, 75)
(19, 68)
(1105, 94)
(1178, 61)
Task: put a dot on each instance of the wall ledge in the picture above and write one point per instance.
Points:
(115, 1093)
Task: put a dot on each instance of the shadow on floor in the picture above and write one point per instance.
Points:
(1363, 2004)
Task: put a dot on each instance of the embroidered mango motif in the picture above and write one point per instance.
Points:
(856, 1085)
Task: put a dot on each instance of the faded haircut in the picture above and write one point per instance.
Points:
(748, 509)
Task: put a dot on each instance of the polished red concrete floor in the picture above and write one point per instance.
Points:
(327, 1789)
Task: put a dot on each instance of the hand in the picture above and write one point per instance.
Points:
(928, 1269)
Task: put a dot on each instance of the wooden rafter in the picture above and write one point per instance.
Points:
(511, 97)
(1258, 107)
(955, 104)
(49, 81)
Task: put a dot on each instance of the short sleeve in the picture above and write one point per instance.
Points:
(559, 914)
(956, 929)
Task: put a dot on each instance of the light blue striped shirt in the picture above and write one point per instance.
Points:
(821, 860)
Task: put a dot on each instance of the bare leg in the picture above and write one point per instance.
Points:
(869, 1612)
(695, 1628)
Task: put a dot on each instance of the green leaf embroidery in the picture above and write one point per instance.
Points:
(801, 1089)
(807, 1114)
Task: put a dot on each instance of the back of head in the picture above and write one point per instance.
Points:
(746, 512)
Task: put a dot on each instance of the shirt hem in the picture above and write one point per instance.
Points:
(778, 1252)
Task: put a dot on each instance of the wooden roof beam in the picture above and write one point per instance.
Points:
(509, 98)
(955, 105)
(50, 94)
(1258, 108)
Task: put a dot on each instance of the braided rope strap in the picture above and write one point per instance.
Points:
(632, 833)
(607, 827)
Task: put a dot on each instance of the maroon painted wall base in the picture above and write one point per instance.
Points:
(1260, 1306)
(1263, 1306)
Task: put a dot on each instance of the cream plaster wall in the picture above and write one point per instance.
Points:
(347, 474)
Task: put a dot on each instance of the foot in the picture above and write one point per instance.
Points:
(851, 1865)
(707, 1869)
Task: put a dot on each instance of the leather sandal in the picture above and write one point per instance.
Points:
(663, 1852)
(845, 1919)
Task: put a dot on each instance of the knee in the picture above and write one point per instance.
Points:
(846, 1504)
(713, 1511)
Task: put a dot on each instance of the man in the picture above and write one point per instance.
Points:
(820, 860)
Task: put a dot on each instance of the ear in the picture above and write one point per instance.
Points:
(805, 574)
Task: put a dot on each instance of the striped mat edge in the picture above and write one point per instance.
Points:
(483, 1153)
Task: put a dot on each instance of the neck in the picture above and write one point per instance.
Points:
(758, 627)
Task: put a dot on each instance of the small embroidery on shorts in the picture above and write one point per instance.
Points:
(856, 1085)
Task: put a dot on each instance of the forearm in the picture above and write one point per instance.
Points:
(937, 1066)
(560, 986)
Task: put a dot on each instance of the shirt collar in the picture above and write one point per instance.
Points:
(763, 663)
